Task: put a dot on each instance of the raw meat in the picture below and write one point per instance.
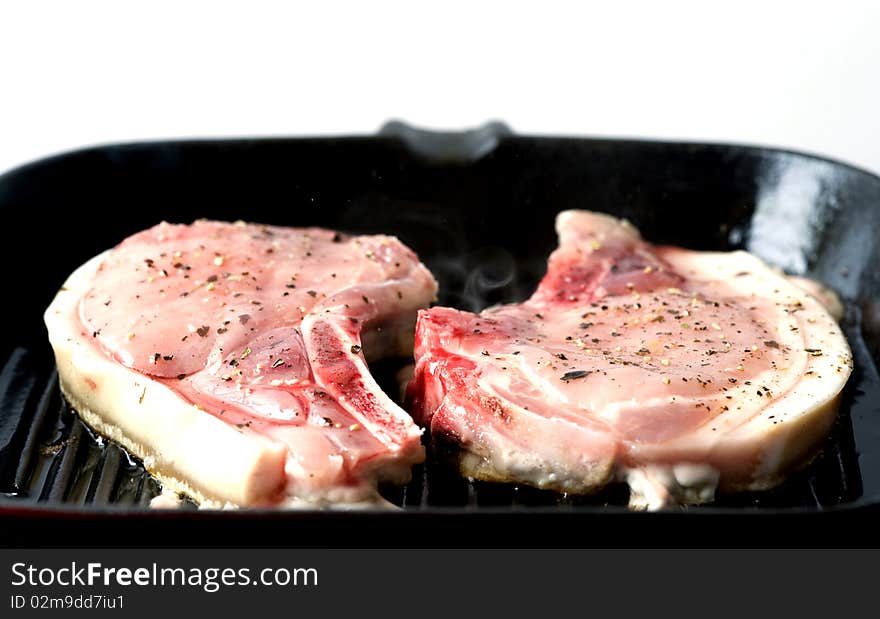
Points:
(677, 371)
(231, 358)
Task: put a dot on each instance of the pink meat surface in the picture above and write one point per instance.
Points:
(672, 368)
(261, 326)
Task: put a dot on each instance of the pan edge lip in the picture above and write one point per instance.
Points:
(754, 148)
(9, 508)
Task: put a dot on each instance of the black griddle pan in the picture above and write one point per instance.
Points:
(478, 207)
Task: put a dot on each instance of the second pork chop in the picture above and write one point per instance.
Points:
(678, 371)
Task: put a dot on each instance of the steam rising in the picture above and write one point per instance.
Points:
(470, 278)
(479, 279)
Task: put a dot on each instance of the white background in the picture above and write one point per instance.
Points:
(797, 75)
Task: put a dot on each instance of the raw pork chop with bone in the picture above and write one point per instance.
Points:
(679, 372)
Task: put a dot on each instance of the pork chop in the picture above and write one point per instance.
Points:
(677, 371)
(231, 358)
